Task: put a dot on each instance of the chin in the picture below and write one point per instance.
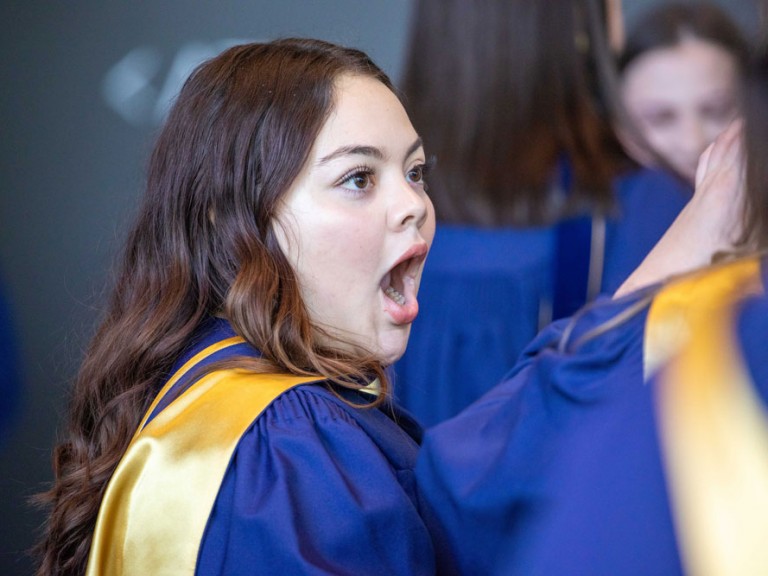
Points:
(388, 358)
(390, 352)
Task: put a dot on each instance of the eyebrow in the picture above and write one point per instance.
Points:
(371, 151)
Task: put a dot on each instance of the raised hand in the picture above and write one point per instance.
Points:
(710, 223)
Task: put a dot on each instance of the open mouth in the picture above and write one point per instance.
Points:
(394, 283)
(393, 294)
(399, 286)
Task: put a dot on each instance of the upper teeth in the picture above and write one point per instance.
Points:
(395, 295)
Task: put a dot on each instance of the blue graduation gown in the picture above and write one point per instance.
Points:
(560, 469)
(485, 293)
(315, 486)
(648, 201)
(480, 300)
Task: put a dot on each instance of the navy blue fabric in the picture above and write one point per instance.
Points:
(751, 331)
(573, 239)
(558, 470)
(10, 369)
(480, 302)
(316, 486)
(648, 203)
(486, 292)
(502, 480)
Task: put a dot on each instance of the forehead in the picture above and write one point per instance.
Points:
(365, 112)
(690, 70)
(692, 62)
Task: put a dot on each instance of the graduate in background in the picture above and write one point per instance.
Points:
(631, 439)
(539, 208)
(232, 414)
(682, 69)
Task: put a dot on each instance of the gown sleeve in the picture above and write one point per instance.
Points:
(312, 491)
(487, 478)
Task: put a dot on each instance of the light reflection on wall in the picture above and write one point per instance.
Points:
(140, 87)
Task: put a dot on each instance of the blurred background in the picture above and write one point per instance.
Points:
(85, 86)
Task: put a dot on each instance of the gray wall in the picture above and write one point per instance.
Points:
(71, 160)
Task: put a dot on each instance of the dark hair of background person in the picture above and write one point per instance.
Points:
(669, 24)
(756, 145)
(500, 91)
(203, 244)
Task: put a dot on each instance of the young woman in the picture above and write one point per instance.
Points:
(232, 414)
(682, 69)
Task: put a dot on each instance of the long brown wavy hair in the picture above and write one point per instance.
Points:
(500, 91)
(237, 136)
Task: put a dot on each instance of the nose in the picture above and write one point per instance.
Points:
(693, 137)
(409, 206)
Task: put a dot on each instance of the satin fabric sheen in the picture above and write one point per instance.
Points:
(147, 523)
(714, 430)
(318, 483)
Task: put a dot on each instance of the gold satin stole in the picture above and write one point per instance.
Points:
(157, 503)
(713, 427)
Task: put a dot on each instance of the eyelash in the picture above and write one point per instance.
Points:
(425, 168)
(369, 172)
(366, 171)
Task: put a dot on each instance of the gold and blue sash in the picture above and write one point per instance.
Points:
(157, 503)
(713, 426)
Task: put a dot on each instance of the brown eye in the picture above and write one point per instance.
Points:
(416, 175)
(357, 181)
(360, 180)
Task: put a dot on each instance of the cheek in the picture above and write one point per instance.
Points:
(656, 131)
(341, 253)
(662, 137)
(714, 126)
(428, 230)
